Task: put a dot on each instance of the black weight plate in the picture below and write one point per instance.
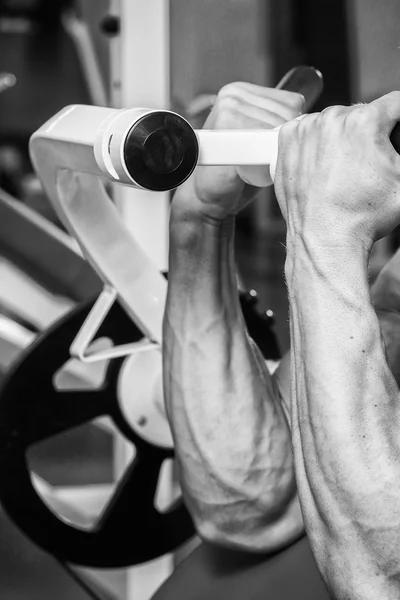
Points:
(130, 530)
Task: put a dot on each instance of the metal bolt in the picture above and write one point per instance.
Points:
(252, 297)
(110, 25)
(269, 316)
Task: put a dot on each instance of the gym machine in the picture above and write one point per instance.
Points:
(145, 149)
(129, 396)
(72, 153)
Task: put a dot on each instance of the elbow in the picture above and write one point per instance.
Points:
(218, 525)
(257, 521)
(263, 535)
(209, 532)
(223, 536)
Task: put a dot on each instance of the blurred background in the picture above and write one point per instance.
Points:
(57, 52)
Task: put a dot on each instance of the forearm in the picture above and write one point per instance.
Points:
(344, 420)
(231, 438)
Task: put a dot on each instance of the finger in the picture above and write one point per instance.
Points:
(242, 116)
(291, 99)
(271, 105)
(304, 80)
(291, 132)
(280, 106)
(264, 117)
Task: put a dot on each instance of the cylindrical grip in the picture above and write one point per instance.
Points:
(161, 149)
(306, 81)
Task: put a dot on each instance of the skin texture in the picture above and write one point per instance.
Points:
(231, 435)
(339, 168)
(232, 438)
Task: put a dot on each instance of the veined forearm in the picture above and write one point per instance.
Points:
(344, 420)
(231, 437)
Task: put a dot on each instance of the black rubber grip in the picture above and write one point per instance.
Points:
(160, 151)
(304, 80)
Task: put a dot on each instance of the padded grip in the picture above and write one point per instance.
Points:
(304, 80)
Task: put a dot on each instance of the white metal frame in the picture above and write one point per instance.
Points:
(79, 31)
(70, 153)
(144, 32)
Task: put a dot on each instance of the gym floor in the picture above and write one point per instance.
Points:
(26, 572)
(81, 456)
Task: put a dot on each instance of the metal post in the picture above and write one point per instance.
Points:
(140, 76)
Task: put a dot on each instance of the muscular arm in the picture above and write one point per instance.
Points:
(233, 491)
(232, 439)
(385, 296)
(345, 424)
(345, 411)
(230, 433)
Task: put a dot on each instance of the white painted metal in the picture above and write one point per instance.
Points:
(22, 296)
(90, 139)
(140, 396)
(68, 154)
(14, 338)
(78, 505)
(244, 147)
(86, 210)
(80, 34)
(140, 76)
(82, 347)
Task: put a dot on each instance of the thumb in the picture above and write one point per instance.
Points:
(389, 110)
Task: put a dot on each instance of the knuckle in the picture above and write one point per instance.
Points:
(306, 122)
(287, 129)
(228, 103)
(330, 114)
(227, 107)
(227, 118)
(229, 90)
(361, 115)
